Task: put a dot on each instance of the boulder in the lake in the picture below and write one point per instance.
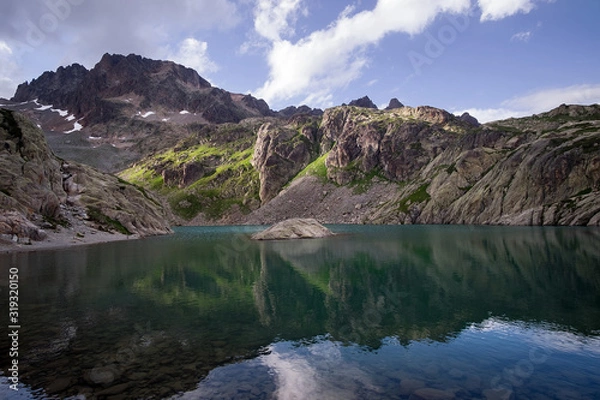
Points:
(295, 228)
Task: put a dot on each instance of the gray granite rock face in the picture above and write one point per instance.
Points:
(295, 228)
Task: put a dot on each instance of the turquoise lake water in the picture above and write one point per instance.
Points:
(377, 312)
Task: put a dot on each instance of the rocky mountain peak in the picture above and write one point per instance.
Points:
(539, 170)
(394, 103)
(121, 85)
(133, 67)
(466, 117)
(363, 102)
(573, 111)
(257, 104)
(52, 87)
(303, 109)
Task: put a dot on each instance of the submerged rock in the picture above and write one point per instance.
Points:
(295, 228)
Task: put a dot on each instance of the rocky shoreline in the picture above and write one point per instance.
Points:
(78, 232)
(62, 240)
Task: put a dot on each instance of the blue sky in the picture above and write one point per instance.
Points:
(493, 58)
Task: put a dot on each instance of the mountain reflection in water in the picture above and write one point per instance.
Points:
(377, 312)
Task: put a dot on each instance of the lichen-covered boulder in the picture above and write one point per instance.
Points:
(295, 228)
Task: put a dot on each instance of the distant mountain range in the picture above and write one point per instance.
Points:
(217, 157)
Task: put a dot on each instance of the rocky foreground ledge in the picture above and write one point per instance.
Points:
(294, 228)
(44, 199)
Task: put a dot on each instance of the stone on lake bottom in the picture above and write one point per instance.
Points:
(59, 385)
(114, 390)
(498, 394)
(432, 394)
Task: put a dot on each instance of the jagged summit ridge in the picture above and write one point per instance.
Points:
(363, 102)
(394, 103)
(125, 85)
(132, 67)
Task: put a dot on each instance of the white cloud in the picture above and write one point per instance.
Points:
(9, 70)
(274, 18)
(493, 10)
(538, 102)
(484, 115)
(331, 58)
(194, 54)
(4, 48)
(313, 373)
(545, 100)
(521, 37)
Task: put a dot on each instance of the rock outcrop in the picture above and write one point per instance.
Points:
(112, 204)
(37, 190)
(282, 150)
(394, 103)
(469, 119)
(391, 143)
(16, 227)
(304, 109)
(294, 228)
(363, 102)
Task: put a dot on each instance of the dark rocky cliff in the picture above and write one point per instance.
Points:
(119, 84)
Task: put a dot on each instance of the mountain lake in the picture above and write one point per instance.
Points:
(376, 312)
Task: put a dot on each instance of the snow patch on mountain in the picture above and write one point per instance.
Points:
(76, 128)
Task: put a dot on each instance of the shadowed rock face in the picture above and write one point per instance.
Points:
(293, 110)
(394, 103)
(470, 119)
(363, 102)
(39, 190)
(295, 228)
(30, 177)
